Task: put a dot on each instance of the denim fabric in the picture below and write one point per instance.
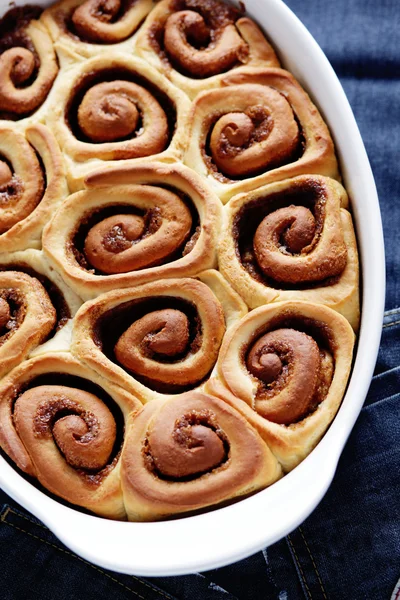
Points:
(349, 548)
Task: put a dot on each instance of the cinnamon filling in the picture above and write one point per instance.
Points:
(17, 199)
(85, 423)
(123, 238)
(293, 364)
(196, 445)
(151, 338)
(96, 21)
(200, 39)
(56, 296)
(271, 233)
(111, 105)
(21, 92)
(258, 136)
(12, 313)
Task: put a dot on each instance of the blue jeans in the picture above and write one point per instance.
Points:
(349, 548)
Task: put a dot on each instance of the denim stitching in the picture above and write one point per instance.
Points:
(151, 587)
(387, 372)
(391, 312)
(19, 514)
(70, 554)
(5, 513)
(390, 324)
(9, 509)
(300, 568)
(314, 565)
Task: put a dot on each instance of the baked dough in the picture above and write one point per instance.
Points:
(292, 240)
(224, 40)
(159, 338)
(164, 223)
(188, 453)
(75, 456)
(259, 126)
(285, 367)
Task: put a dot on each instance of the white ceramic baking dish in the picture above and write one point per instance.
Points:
(228, 534)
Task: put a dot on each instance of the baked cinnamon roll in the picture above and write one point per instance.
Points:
(258, 127)
(195, 42)
(64, 301)
(188, 453)
(159, 338)
(292, 240)
(164, 223)
(28, 64)
(114, 107)
(36, 308)
(63, 425)
(32, 184)
(87, 27)
(285, 368)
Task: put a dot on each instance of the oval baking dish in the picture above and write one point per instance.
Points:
(187, 544)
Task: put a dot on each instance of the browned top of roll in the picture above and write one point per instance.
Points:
(28, 65)
(293, 373)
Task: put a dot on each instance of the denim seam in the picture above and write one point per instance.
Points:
(299, 566)
(3, 516)
(9, 509)
(314, 565)
(394, 311)
(390, 324)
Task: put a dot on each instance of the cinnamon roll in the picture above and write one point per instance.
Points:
(132, 225)
(285, 368)
(195, 42)
(156, 339)
(32, 184)
(28, 64)
(64, 425)
(115, 107)
(292, 240)
(188, 453)
(63, 301)
(87, 27)
(260, 126)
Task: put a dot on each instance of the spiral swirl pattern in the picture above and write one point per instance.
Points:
(116, 110)
(194, 41)
(27, 317)
(292, 373)
(162, 337)
(107, 21)
(21, 179)
(64, 426)
(189, 452)
(168, 348)
(128, 242)
(28, 64)
(82, 426)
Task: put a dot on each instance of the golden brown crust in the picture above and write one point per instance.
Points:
(253, 394)
(31, 317)
(190, 452)
(64, 301)
(105, 95)
(156, 339)
(28, 65)
(255, 252)
(173, 32)
(33, 188)
(109, 297)
(248, 115)
(78, 28)
(33, 428)
(163, 249)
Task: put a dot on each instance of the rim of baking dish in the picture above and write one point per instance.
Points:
(228, 534)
